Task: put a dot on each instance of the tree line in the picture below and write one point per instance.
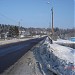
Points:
(13, 31)
(10, 29)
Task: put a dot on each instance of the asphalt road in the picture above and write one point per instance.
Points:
(10, 53)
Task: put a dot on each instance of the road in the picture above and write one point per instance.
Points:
(10, 53)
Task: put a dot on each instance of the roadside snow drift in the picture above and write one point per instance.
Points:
(57, 58)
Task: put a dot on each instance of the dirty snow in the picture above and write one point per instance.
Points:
(58, 58)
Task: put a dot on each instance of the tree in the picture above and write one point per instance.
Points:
(16, 31)
(13, 31)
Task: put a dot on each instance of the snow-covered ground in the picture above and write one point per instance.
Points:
(57, 58)
(60, 41)
(45, 59)
(65, 53)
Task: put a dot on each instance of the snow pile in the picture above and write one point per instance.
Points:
(58, 59)
(65, 53)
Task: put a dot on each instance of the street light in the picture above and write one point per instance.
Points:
(52, 19)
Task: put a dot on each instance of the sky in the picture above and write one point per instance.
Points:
(37, 13)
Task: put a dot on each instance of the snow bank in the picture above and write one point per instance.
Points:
(58, 59)
(65, 53)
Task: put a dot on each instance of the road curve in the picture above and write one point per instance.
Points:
(10, 53)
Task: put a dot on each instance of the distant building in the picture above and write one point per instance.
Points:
(23, 33)
(4, 35)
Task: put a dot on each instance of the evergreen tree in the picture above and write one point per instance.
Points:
(16, 31)
(13, 31)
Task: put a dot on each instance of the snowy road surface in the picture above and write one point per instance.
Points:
(2, 42)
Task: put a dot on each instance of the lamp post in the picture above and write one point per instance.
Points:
(52, 19)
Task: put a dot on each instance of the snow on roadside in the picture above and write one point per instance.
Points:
(60, 41)
(2, 42)
(65, 53)
(58, 59)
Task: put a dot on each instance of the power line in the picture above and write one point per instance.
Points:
(7, 17)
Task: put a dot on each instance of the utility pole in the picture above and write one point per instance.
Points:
(52, 21)
(19, 29)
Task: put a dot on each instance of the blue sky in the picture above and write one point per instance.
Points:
(37, 13)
